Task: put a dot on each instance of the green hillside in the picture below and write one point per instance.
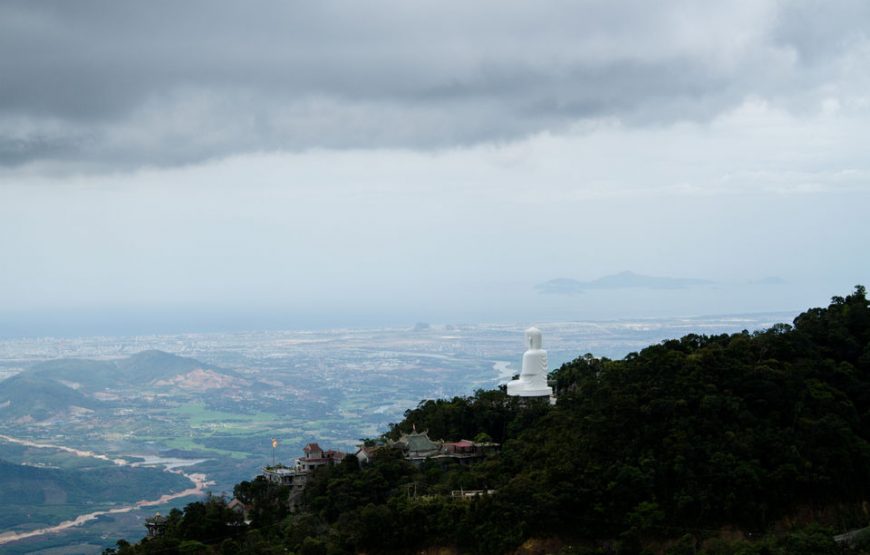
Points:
(39, 397)
(56, 387)
(138, 369)
(149, 366)
(90, 374)
(56, 494)
(752, 443)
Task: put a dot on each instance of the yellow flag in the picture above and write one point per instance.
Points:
(274, 443)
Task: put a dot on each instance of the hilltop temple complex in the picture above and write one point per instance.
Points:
(417, 447)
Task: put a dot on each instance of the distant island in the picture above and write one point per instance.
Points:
(750, 443)
(622, 280)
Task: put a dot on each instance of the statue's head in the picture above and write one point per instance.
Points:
(534, 340)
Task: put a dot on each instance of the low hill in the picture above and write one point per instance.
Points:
(67, 386)
(151, 366)
(76, 370)
(36, 397)
(141, 368)
(23, 487)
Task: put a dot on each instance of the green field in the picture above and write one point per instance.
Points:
(199, 416)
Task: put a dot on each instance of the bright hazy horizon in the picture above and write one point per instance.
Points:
(178, 166)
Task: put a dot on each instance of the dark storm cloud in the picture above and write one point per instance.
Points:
(818, 30)
(114, 84)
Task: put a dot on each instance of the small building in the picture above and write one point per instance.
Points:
(316, 457)
(466, 451)
(236, 506)
(462, 447)
(296, 477)
(281, 475)
(365, 453)
(469, 493)
(156, 525)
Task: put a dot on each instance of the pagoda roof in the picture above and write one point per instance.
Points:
(418, 441)
(157, 519)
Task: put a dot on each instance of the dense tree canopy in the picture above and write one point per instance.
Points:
(766, 434)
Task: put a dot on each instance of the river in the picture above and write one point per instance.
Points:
(198, 481)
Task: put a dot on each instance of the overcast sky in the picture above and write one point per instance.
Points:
(350, 162)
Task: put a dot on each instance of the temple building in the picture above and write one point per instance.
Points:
(417, 447)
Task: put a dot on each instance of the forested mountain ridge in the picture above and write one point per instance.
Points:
(761, 435)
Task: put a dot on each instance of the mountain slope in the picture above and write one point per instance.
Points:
(63, 387)
(93, 373)
(141, 368)
(38, 397)
(153, 365)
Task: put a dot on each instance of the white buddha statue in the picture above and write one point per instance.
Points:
(533, 377)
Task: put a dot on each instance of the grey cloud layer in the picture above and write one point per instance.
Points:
(118, 85)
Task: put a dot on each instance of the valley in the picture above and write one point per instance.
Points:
(43, 476)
